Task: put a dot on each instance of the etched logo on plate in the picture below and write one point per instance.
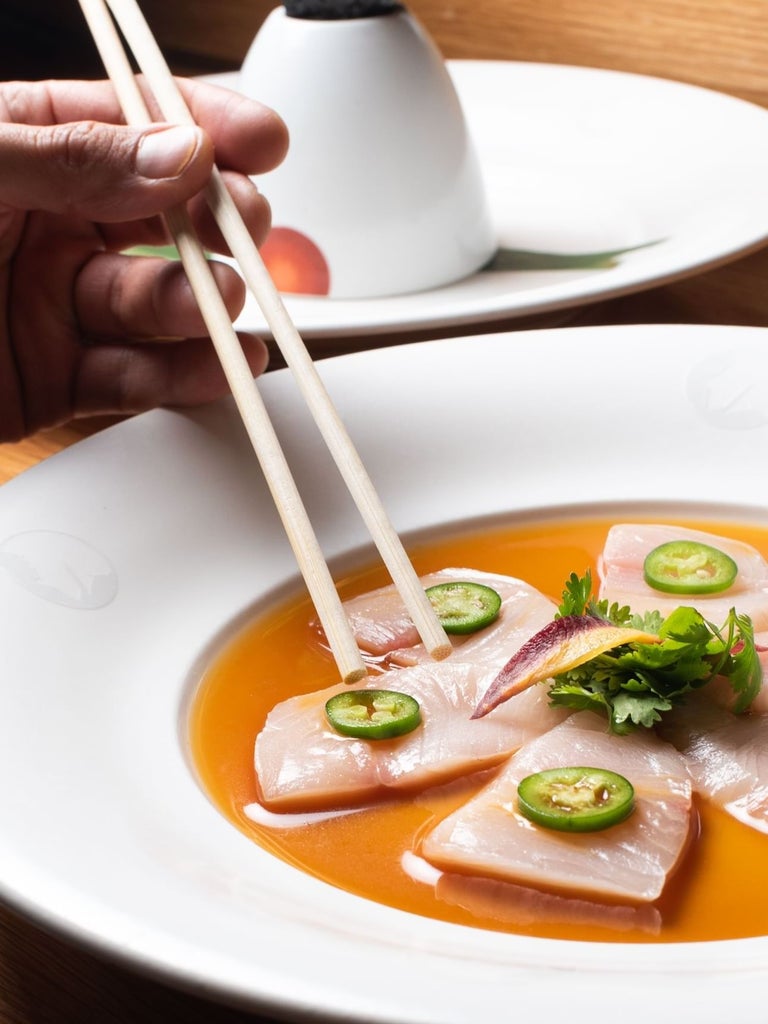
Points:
(59, 568)
(727, 394)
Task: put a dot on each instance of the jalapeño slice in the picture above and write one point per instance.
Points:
(464, 607)
(576, 799)
(689, 567)
(373, 714)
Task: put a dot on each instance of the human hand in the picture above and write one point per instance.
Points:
(88, 330)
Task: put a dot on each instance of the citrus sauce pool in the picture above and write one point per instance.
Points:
(715, 893)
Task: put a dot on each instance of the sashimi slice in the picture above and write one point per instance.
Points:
(303, 764)
(727, 757)
(629, 862)
(521, 906)
(621, 574)
(382, 627)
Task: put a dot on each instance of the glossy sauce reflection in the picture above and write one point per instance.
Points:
(715, 894)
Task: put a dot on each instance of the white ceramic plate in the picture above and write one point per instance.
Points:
(124, 558)
(577, 161)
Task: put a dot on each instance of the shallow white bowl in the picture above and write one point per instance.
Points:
(125, 560)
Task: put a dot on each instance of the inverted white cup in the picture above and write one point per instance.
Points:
(381, 192)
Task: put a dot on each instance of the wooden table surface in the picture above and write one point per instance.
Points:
(45, 979)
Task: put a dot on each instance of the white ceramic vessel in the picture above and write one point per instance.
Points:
(127, 560)
(381, 174)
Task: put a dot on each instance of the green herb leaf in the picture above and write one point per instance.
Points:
(576, 596)
(635, 684)
(578, 698)
(743, 667)
(644, 709)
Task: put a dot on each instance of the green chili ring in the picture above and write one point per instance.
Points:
(689, 567)
(373, 714)
(576, 799)
(463, 607)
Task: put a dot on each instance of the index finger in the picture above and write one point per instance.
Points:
(249, 137)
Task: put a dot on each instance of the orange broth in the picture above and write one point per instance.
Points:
(715, 894)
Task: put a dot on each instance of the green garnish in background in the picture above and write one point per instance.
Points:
(503, 259)
(526, 259)
(633, 685)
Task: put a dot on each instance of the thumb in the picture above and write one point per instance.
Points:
(103, 172)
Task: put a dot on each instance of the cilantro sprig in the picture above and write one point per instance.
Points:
(635, 684)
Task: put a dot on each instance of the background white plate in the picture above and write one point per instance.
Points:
(581, 160)
(124, 558)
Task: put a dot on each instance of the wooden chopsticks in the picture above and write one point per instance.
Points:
(286, 497)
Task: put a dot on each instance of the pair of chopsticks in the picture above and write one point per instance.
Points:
(128, 16)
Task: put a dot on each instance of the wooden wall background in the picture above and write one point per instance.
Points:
(722, 44)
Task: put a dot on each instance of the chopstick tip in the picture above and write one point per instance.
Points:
(355, 675)
(441, 651)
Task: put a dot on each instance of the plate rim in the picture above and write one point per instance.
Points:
(381, 315)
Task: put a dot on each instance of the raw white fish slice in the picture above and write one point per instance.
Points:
(727, 757)
(621, 574)
(521, 906)
(302, 763)
(629, 862)
(381, 625)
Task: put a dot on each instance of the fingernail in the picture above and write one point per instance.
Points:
(166, 152)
